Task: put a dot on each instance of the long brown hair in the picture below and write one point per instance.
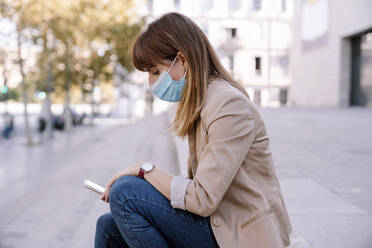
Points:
(162, 40)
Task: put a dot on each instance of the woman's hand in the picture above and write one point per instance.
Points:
(129, 171)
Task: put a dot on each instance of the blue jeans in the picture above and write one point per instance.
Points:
(142, 217)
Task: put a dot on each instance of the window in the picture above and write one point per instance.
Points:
(257, 5)
(234, 5)
(206, 5)
(177, 4)
(281, 61)
(257, 65)
(150, 5)
(284, 5)
(283, 96)
(232, 32)
(231, 62)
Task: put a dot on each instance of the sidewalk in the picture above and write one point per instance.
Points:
(318, 156)
(323, 160)
(47, 205)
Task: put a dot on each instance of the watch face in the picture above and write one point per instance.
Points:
(147, 166)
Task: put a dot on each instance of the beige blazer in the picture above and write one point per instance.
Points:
(231, 173)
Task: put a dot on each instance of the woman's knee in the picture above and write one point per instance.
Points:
(104, 223)
(126, 187)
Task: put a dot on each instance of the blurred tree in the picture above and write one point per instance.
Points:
(81, 41)
(4, 90)
(109, 28)
(15, 13)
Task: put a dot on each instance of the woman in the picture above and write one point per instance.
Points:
(231, 197)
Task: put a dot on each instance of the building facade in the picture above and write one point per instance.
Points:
(331, 53)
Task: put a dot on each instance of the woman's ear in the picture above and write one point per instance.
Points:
(182, 59)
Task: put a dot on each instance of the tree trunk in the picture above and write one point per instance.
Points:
(67, 118)
(49, 117)
(24, 93)
(93, 102)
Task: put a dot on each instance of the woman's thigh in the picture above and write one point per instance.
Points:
(180, 228)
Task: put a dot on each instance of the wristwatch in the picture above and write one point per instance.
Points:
(145, 168)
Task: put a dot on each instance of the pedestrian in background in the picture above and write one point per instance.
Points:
(231, 196)
(9, 126)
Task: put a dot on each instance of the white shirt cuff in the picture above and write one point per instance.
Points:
(178, 191)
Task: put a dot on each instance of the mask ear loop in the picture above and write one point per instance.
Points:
(174, 61)
(184, 75)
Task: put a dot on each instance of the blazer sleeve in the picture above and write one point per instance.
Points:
(230, 125)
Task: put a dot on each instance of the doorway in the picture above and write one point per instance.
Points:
(361, 70)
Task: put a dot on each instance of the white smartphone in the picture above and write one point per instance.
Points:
(94, 187)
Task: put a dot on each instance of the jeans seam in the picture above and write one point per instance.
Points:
(109, 236)
(130, 229)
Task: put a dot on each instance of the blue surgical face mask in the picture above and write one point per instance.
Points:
(168, 89)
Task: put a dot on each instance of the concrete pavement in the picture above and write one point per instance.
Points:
(322, 157)
(44, 203)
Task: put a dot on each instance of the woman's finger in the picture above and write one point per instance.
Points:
(105, 196)
(108, 191)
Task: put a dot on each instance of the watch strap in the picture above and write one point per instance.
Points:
(141, 173)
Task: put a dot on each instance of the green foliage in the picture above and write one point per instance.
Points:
(12, 94)
(81, 41)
